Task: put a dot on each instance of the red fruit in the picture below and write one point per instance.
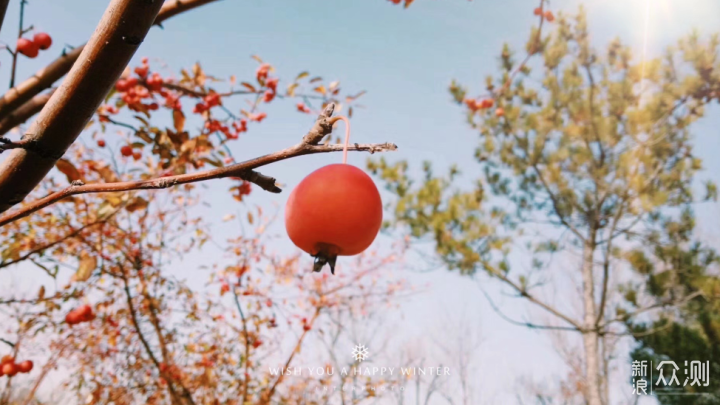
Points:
(73, 317)
(9, 369)
(7, 359)
(257, 343)
(27, 47)
(537, 11)
(101, 143)
(306, 327)
(85, 312)
(303, 108)
(137, 155)
(43, 40)
(142, 71)
(336, 210)
(499, 112)
(121, 85)
(126, 150)
(487, 103)
(549, 16)
(268, 96)
(25, 366)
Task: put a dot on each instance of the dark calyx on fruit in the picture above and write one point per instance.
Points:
(327, 254)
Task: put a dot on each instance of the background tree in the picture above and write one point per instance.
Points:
(584, 151)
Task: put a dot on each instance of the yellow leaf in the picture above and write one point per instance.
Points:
(302, 75)
(250, 218)
(320, 89)
(178, 120)
(228, 217)
(257, 58)
(291, 89)
(86, 267)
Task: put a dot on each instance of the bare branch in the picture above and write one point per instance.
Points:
(524, 293)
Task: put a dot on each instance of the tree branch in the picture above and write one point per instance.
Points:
(120, 32)
(242, 170)
(524, 293)
(24, 112)
(45, 77)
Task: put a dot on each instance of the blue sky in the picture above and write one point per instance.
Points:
(405, 60)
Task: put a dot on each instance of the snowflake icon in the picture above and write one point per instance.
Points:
(360, 353)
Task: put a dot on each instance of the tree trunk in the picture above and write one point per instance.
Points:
(590, 335)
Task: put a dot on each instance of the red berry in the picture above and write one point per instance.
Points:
(257, 343)
(25, 366)
(137, 155)
(303, 108)
(101, 143)
(268, 96)
(549, 16)
(537, 11)
(7, 359)
(499, 112)
(27, 47)
(126, 150)
(9, 369)
(142, 71)
(306, 327)
(335, 210)
(43, 40)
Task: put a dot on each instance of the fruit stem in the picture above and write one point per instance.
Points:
(347, 135)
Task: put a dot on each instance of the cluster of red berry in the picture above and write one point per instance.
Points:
(548, 15)
(31, 47)
(140, 87)
(81, 314)
(479, 104)
(9, 367)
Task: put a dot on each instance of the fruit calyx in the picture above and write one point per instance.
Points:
(327, 254)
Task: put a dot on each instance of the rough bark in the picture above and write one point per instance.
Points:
(24, 112)
(590, 334)
(120, 32)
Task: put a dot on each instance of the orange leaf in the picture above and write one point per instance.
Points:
(178, 120)
(68, 169)
(249, 86)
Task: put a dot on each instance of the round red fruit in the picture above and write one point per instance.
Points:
(25, 367)
(538, 11)
(73, 317)
(335, 210)
(27, 47)
(126, 150)
(9, 369)
(549, 16)
(499, 112)
(43, 40)
(101, 143)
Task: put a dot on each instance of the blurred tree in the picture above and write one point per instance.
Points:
(587, 151)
